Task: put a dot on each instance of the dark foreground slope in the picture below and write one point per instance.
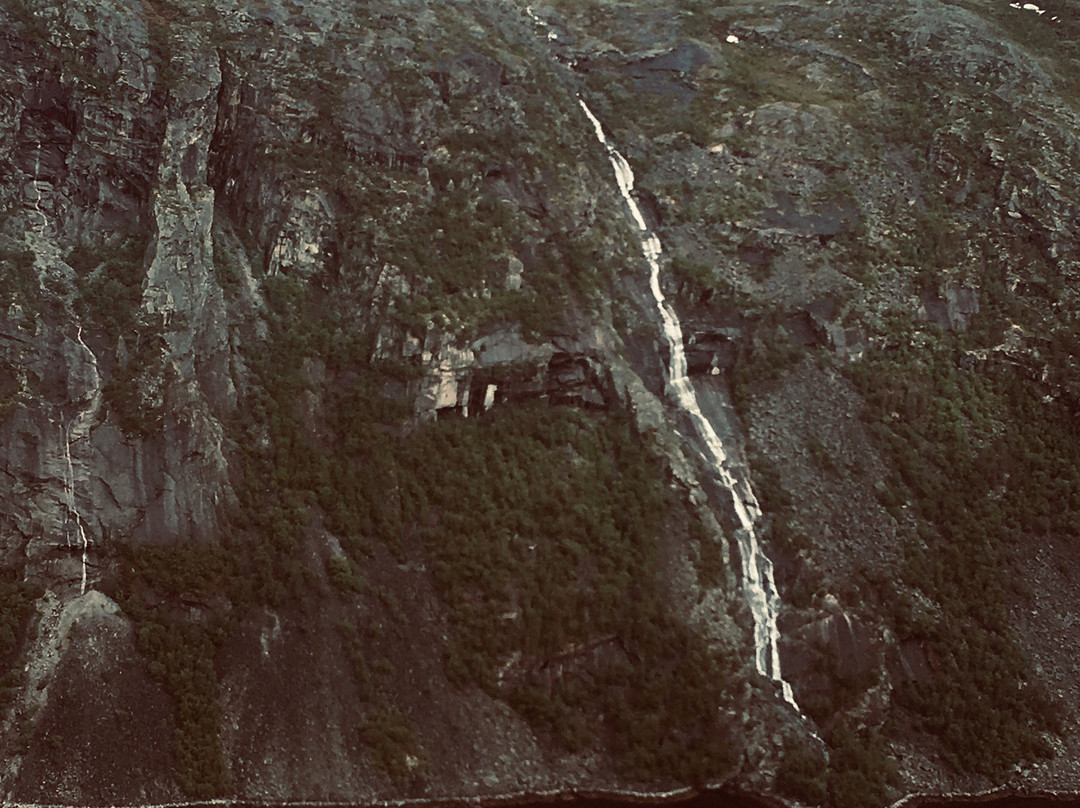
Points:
(337, 462)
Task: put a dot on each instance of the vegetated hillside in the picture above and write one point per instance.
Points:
(338, 461)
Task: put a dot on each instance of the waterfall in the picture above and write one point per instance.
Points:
(757, 571)
(73, 511)
(37, 192)
(84, 418)
(79, 429)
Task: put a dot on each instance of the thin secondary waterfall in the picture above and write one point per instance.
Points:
(757, 571)
(79, 429)
(73, 511)
(37, 192)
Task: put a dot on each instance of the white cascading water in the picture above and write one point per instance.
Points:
(73, 511)
(79, 427)
(757, 572)
(37, 193)
(77, 430)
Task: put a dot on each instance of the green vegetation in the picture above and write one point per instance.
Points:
(110, 276)
(135, 393)
(109, 282)
(18, 279)
(523, 500)
(180, 650)
(181, 655)
(711, 567)
(1054, 44)
(168, 24)
(354, 646)
(448, 221)
(394, 747)
(544, 524)
(227, 269)
(665, 711)
(17, 596)
(752, 75)
(861, 769)
(803, 771)
(344, 575)
(779, 503)
(25, 13)
(768, 356)
(988, 467)
(857, 771)
(10, 396)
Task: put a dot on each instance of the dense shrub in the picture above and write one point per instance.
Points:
(987, 466)
(16, 598)
(136, 391)
(354, 647)
(18, 279)
(181, 655)
(542, 523)
(803, 770)
(861, 769)
(546, 541)
(110, 276)
(180, 652)
(393, 743)
(344, 575)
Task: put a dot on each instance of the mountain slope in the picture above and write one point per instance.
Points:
(348, 449)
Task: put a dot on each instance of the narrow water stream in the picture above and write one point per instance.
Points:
(76, 430)
(37, 193)
(73, 510)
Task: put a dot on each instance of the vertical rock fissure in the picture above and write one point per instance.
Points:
(757, 575)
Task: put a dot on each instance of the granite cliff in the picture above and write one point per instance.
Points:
(428, 400)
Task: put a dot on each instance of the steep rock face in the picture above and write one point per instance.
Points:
(101, 156)
(160, 192)
(338, 457)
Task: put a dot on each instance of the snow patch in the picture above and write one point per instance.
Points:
(1031, 7)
